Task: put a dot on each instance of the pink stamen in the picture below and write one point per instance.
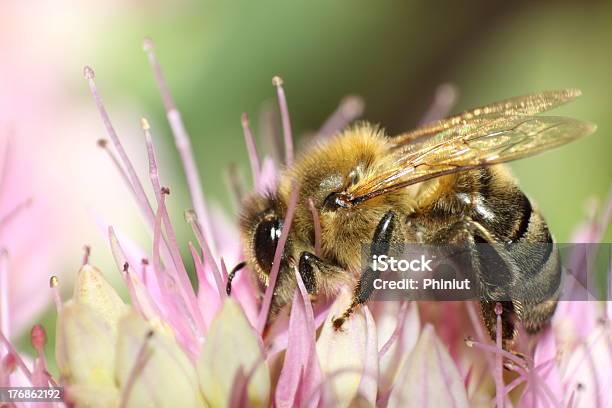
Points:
(180, 272)
(199, 266)
(270, 132)
(536, 382)
(284, 110)
(19, 362)
(192, 220)
(444, 100)
(528, 373)
(144, 263)
(117, 251)
(493, 349)
(168, 289)
(350, 108)
(588, 357)
(468, 377)
(235, 183)
(183, 145)
(476, 324)
(139, 364)
(265, 307)
(38, 338)
(251, 148)
(317, 226)
(224, 271)
(499, 378)
(8, 365)
(140, 195)
(86, 254)
(401, 317)
(241, 382)
(4, 293)
(54, 285)
(103, 144)
(127, 278)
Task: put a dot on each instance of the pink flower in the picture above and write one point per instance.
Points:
(175, 346)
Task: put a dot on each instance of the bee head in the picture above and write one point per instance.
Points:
(265, 240)
(261, 228)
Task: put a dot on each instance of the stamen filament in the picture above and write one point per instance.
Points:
(349, 109)
(284, 110)
(183, 145)
(192, 220)
(103, 144)
(20, 363)
(141, 197)
(401, 317)
(179, 269)
(139, 364)
(265, 307)
(444, 100)
(251, 148)
(54, 285)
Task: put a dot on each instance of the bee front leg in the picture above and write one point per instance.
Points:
(319, 276)
(381, 242)
(307, 266)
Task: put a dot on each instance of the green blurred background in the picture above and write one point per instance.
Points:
(219, 59)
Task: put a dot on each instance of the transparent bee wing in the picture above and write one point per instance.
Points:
(479, 142)
(526, 105)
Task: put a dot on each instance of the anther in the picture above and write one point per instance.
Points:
(88, 72)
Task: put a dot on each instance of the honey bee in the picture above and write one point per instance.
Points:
(441, 183)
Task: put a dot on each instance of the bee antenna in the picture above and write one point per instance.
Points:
(232, 275)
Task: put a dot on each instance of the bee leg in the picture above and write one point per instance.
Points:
(306, 267)
(365, 286)
(320, 276)
(469, 232)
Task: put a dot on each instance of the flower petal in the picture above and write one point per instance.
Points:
(301, 372)
(164, 376)
(349, 357)
(429, 377)
(85, 346)
(267, 176)
(587, 373)
(232, 345)
(545, 354)
(93, 290)
(93, 396)
(392, 360)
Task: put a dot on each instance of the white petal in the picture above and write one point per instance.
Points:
(93, 396)
(429, 378)
(167, 378)
(395, 356)
(85, 346)
(347, 354)
(232, 345)
(92, 289)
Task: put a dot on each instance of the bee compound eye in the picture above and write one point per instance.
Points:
(267, 235)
